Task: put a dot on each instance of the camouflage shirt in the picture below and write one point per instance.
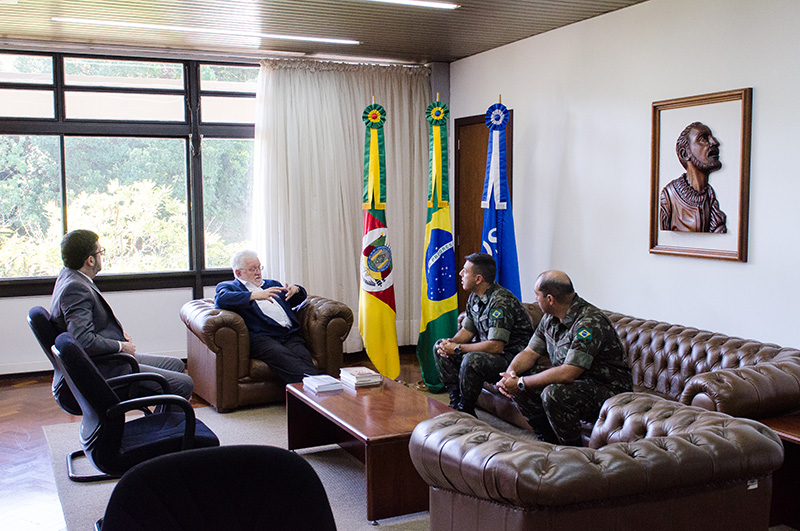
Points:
(498, 314)
(585, 338)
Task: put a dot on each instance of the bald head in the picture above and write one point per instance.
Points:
(557, 284)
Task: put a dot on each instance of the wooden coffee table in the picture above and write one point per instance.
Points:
(374, 424)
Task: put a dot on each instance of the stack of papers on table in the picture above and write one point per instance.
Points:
(322, 382)
(359, 376)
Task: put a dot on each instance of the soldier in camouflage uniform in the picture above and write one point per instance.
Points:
(589, 364)
(495, 329)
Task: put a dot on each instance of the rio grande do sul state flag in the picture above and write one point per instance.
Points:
(439, 317)
(377, 312)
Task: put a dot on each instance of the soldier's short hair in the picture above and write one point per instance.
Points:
(484, 265)
(77, 246)
(560, 287)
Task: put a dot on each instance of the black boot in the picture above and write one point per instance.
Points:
(467, 408)
(544, 432)
(455, 396)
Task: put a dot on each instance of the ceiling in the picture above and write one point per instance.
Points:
(385, 31)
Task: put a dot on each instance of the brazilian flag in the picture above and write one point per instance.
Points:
(439, 275)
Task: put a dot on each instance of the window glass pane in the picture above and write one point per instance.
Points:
(132, 192)
(120, 106)
(227, 198)
(119, 73)
(16, 68)
(26, 103)
(30, 206)
(228, 78)
(219, 109)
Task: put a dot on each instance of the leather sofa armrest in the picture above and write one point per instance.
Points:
(325, 324)
(759, 391)
(220, 330)
(457, 452)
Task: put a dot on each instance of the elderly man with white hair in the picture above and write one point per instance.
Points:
(268, 309)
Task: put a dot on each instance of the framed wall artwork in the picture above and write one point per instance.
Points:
(700, 175)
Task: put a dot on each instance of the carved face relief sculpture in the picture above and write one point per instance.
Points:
(689, 203)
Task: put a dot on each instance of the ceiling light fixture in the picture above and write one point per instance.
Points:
(420, 3)
(185, 29)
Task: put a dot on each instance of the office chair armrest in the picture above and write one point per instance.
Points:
(127, 379)
(159, 400)
(120, 357)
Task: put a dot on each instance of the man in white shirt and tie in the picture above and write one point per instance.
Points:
(268, 309)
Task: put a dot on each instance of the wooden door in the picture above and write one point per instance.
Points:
(471, 140)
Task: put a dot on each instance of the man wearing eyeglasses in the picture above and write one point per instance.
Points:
(268, 309)
(79, 308)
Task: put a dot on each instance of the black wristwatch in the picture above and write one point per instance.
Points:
(457, 350)
(520, 383)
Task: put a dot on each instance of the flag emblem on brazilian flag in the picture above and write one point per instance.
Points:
(584, 333)
(439, 275)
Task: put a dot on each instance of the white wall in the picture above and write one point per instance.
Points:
(582, 99)
(151, 317)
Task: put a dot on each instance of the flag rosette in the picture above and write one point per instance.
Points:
(497, 117)
(437, 113)
(374, 116)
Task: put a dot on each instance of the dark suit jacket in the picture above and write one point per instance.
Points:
(234, 296)
(79, 308)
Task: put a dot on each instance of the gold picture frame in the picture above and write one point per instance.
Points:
(728, 116)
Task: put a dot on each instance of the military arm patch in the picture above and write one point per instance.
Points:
(497, 314)
(584, 333)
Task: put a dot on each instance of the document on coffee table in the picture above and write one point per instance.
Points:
(359, 376)
(322, 382)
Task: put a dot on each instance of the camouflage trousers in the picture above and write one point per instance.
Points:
(468, 371)
(561, 407)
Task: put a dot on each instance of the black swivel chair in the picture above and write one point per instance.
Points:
(215, 489)
(111, 442)
(45, 333)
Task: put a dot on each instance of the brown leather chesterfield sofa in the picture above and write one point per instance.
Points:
(652, 464)
(740, 377)
(219, 351)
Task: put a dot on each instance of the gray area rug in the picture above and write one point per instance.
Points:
(341, 474)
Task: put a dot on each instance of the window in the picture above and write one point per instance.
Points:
(116, 145)
(227, 189)
(24, 74)
(30, 206)
(227, 93)
(132, 193)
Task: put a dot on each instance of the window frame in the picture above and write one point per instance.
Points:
(191, 130)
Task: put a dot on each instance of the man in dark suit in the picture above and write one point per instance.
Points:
(268, 309)
(79, 308)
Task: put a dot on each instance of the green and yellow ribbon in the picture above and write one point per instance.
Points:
(437, 114)
(374, 117)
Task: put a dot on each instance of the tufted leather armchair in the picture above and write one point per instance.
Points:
(219, 351)
(651, 464)
(741, 377)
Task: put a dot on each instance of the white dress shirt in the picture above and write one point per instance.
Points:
(269, 307)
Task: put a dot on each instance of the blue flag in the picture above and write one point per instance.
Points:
(498, 237)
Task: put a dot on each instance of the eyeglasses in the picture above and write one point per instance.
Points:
(255, 269)
(101, 252)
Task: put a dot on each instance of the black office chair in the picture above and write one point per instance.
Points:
(111, 442)
(45, 333)
(214, 489)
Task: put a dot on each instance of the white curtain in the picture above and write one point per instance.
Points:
(309, 157)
